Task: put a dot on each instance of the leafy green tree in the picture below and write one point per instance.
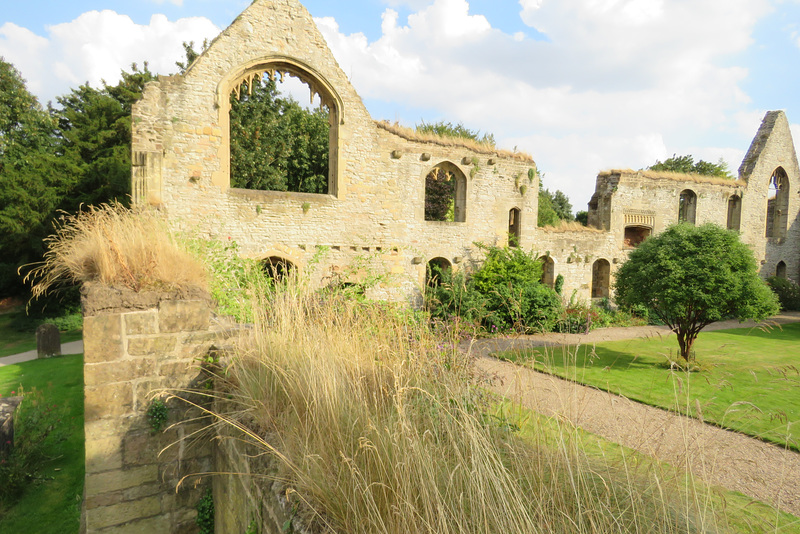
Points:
(687, 165)
(31, 184)
(191, 55)
(562, 206)
(690, 277)
(276, 144)
(95, 139)
(582, 217)
(553, 207)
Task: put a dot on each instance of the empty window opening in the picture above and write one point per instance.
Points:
(548, 271)
(514, 227)
(276, 142)
(277, 268)
(445, 194)
(777, 204)
(780, 270)
(601, 279)
(635, 235)
(734, 212)
(687, 206)
(437, 269)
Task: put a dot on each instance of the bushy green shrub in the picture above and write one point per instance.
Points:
(504, 294)
(788, 292)
(37, 430)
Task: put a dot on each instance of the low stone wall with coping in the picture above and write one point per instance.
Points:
(136, 346)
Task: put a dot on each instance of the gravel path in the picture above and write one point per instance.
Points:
(720, 457)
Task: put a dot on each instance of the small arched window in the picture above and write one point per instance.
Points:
(435, 269)
(601, 279)
(445, 194)
(278, 268)
(514, 227)
(780, 270)
(734, 212)
(777, 204)
(687, 206)
(548, 271)
(635, 235)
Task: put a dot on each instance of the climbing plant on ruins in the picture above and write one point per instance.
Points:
(689, 277)
(276, 144)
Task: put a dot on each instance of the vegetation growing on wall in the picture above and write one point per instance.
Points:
(456, 131)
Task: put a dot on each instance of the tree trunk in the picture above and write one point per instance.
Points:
(685, 342)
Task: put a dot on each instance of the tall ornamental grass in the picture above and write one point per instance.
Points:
(379, 425)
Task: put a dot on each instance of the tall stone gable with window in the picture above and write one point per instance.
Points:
(375, 206)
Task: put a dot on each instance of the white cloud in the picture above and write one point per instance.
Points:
(617, 83)
(97, 46)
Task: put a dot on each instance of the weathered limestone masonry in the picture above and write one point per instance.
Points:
(244, 493)
(134, 345)
(181, 150)
(375, 205)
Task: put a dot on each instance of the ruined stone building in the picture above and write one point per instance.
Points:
(372, 214)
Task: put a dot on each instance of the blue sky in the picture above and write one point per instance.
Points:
(582, 85)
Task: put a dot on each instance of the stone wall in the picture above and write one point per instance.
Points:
(181, 140)
(134, 346)
(246, 493)
(181, 153)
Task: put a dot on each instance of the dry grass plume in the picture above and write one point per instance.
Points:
(115, 245)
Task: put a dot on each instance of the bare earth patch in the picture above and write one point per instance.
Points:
(724, 458)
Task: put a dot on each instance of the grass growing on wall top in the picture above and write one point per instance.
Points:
(115, 245)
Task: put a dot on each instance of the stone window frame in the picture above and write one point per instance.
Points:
(459, 194)
(627, 239)
(548, 277)
(687, 206)
(734, 217)
(274, 65)
(780, 269)
(777, 210)
(443, 263)
(601, 288)
(514, 226)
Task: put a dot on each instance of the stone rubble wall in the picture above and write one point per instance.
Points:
(134, 347)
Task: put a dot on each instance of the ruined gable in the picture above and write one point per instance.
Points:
(378, 185)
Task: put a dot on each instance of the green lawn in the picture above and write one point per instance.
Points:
(54, 504)
(14, 341)
(750, 380)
